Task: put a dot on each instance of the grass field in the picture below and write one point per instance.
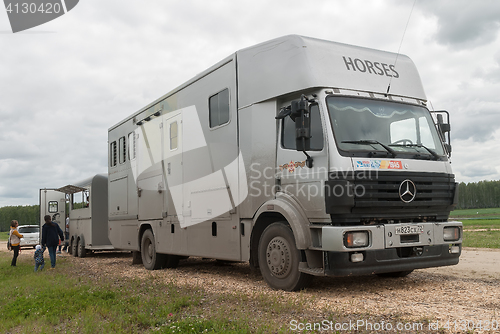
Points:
(60, 301)
(481, 239)
(481, 233)
(481, 227)
(477, 213)
(71, 300)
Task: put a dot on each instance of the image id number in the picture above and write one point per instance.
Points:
(24, 8)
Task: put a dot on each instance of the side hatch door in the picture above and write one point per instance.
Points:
(52, 203)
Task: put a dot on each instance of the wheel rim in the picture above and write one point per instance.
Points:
(278, 257)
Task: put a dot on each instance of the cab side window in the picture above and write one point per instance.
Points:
(288, 131)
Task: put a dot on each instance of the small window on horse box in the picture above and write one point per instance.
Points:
(214, 229)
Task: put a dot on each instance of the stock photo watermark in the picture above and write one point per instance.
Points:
(262, 181)
(26, 14)
(388, 326)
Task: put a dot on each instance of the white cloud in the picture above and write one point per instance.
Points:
(63, 84)
(464, 24)
(476, 161)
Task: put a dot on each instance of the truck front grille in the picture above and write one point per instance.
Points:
(376, 195)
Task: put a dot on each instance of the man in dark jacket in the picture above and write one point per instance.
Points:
(51, 232)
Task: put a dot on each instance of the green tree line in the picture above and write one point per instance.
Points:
(483, 194)
(24, 214)
(474, 195)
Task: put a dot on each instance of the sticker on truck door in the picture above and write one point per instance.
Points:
(291, 166)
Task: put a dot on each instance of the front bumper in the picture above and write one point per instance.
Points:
(388, 250)
(389, 260)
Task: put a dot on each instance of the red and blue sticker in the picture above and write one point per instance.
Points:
(379, 164)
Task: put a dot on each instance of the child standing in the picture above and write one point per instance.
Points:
(39, 261)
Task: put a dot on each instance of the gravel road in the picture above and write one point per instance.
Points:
(469, 291)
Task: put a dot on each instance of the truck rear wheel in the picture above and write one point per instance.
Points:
(150, 258)
(279, 259)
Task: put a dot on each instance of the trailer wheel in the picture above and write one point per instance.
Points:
(150, 258)
(70, 247)
(81, 247)
(396, 274)
(279, 259)
(74, 247)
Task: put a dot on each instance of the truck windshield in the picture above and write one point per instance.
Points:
(366, 126)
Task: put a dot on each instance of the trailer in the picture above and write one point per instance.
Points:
(88, 215)
(302, 156)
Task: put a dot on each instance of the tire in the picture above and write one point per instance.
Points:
(74, 248)
(279, 259)
(70, 250)
(396, 274)
(81, 247)
(150, 258)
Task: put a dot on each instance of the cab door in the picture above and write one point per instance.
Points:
(304, 183)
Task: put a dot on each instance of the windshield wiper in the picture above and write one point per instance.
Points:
(434, 154)
(371, 142)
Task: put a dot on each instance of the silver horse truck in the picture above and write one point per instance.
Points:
(302, 156)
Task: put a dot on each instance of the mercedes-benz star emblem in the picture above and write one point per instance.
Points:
(407, 191)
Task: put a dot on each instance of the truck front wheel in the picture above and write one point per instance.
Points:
(150, 258)
(279, 259)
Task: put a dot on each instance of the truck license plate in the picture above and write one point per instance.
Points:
(409, 229)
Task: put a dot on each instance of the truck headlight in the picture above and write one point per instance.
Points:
(451, 233)
(356, 239)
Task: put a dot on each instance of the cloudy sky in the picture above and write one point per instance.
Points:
(64, 83)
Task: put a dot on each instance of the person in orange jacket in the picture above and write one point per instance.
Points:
(15, 241)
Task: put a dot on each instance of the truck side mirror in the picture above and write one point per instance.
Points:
(448, 148)
(300, 113)
(444, 129)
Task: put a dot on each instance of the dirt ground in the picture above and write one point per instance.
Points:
(461, 298)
